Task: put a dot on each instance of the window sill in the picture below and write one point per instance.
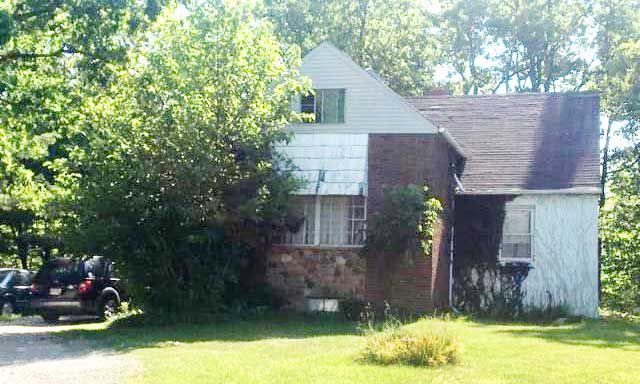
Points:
(515, 263)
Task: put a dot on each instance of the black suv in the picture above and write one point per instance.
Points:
(67, 287)
(14, 290)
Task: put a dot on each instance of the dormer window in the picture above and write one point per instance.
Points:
(326, 104)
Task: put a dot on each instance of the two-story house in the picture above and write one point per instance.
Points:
(518, 176)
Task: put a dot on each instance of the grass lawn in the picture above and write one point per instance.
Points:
(293, 349)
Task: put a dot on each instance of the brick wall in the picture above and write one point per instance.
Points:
(299, 272)
(398, 160)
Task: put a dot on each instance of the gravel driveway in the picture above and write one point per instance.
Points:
(31, 353)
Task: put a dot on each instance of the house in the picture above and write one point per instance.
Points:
(518, 176)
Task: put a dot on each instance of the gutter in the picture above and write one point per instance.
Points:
(447, 136)
(459, 187)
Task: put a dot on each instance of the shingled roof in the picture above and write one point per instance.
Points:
(522, 143)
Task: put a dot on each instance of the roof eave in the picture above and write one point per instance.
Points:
(454, 144)
(522, 191)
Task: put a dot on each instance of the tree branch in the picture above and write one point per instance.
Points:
(17, 55)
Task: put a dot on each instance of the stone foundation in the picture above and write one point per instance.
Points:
(329, 272)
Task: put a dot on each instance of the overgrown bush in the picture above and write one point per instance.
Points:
(404, 347)
(182, 186)
(392, 343)
(352, 308)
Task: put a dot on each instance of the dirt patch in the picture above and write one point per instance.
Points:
(32, 353)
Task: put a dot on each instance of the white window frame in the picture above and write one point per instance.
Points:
(532, 214)
(317, 224)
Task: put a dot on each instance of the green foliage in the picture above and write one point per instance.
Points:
(53, 54)
(621, 238)
(400, 347)
(352, 308)
(533, 46)
(426, 226)
(182, 186)
(390, 37)
(396, 344)
(405, 221)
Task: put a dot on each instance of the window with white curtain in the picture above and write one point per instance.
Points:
(517, 234)
(337, 221)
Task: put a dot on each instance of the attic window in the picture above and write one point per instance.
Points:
(326, 104)
(517, 234)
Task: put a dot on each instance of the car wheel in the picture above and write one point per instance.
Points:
(109, 307)
(8, 309)
(50, 318)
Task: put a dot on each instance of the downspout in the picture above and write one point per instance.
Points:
(459, 188)
(453, 207)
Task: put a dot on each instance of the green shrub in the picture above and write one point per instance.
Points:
(404, 347)
(185, 197)
(390, 343)
(352, 308)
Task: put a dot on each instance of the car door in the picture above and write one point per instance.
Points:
(22, 287)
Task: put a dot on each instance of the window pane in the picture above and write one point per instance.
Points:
(516, 250)
(330, 105)
(516, 237)
(517, 222)
(303, 206)
(307, 104)
(342, 220)
(334, 220)
(359, 232)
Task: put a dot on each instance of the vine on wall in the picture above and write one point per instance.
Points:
(405, 222)
(481, 283)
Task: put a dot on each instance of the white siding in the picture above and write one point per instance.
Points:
(565, 246)
(370, 106)
(341, 157)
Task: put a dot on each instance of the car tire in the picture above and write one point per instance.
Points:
(50, 318)
(108, 307)
(8, 308)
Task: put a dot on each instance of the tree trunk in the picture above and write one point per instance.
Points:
(605, 162)
(23, 253)
(364, 6)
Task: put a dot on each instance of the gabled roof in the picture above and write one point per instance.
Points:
(326, 55)
(534, 143)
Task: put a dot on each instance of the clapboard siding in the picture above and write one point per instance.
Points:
(370, 106)
(565, 246)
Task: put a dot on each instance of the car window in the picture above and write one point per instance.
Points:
(64, 274)
(24, 278)
(5, 278)
(60, 273)
(94, 267)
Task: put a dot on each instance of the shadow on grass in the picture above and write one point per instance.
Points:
(603, 333)
(130, 333)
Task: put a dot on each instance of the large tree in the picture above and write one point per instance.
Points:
(618, 79)
(514, 46)
(390, 37)
(53, 54)
(463, 37)
(182, 183)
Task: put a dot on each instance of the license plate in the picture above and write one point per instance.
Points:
(55, 291)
